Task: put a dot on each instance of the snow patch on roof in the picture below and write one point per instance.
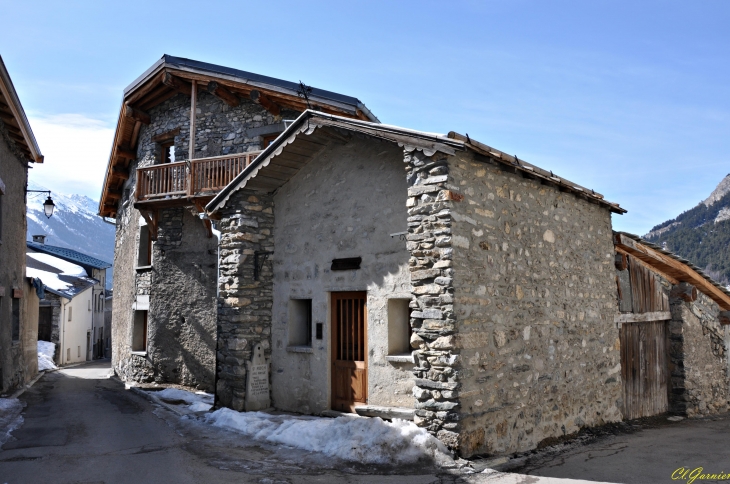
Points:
(66, 268)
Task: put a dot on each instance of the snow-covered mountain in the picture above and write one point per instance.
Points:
(74, 225)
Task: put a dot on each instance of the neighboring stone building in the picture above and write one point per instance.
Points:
(158, 180)
(50, 309)
(18, 301)
(674, 333)
(503, 271)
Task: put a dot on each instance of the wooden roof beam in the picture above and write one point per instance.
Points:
(223, 93)
(125, 152)
(177, 84)
(136, 114)
(266, 102)
(678, 270)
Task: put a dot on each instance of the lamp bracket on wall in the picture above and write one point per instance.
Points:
(259, 257)
(401, 235)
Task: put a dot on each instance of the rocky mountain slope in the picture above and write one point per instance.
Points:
(74, 225)
(701, 234)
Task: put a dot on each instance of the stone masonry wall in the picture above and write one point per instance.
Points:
(344, 203)
(535, 354)
(15, 369)
(244, 304)
(181, 284)
(433, 320)
(698, 355)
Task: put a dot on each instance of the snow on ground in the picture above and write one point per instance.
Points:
(496, 477)
(196, 402)
(364, 440)
(10, 418)
(45, 356)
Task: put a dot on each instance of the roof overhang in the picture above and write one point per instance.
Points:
(172, 75)
(313, 130)
(670, 265)
(13, 116)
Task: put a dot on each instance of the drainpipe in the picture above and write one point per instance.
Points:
(63, 333)
(217, 234)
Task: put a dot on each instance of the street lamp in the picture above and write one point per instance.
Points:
(48, 205)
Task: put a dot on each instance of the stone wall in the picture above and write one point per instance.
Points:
(698, 355)
(344, 203)
(54, 302)
(528, 349)
(181, 284)
(15, 368)
(244, 303)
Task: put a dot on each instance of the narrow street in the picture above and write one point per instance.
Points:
(82, 427)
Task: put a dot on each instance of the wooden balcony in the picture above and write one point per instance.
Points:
(174, 184)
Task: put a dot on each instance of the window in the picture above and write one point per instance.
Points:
(167, 153)
(89, 304)
(399, 326)
(268, 139)
(139, 331)
(144, 253)
(70, 312)
(16, 318)
(79, 351)
(68, 354)
(300, 322)
(2, 192)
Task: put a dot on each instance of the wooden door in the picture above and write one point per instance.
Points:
(349, 350)
(645, 368)
(45, 326)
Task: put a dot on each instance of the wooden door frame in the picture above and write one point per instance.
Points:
(333, 330)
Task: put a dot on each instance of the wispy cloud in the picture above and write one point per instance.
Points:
(76, 150)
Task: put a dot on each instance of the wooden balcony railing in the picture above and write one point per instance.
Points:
(206, 177)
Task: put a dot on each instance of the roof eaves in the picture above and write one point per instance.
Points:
(8, 90)
(437, 142)
(537, 172)
(677, 258)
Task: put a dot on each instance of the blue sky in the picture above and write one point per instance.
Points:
(628, 98)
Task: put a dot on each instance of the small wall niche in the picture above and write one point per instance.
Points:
(300, 322)
(139, 331)
(399, 327)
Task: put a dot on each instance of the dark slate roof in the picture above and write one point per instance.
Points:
(246, 78)
(78, 285)
(68, 255)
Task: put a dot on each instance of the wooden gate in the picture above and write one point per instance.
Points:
(349, 350)
(645, 368)
(45, 325)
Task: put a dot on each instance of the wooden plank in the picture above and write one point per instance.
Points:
(642, 317)
(136, 114)
(265, 101)
(679, 271)
(140, 91)
(193, 105)
(223, 93)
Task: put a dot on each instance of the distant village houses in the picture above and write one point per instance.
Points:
(279, 246)
(72, 313)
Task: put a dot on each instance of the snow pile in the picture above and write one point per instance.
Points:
(45, 356)
(364, 440)
(196, 402)
(10, 418)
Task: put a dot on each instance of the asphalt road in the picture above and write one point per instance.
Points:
(82, 427)
(650, 451)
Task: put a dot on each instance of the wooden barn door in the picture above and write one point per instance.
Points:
(645, 368)
(349, 350)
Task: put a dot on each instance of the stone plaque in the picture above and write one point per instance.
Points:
(257, 382)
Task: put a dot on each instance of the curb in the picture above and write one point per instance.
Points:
(20, 391)
(153, 399)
